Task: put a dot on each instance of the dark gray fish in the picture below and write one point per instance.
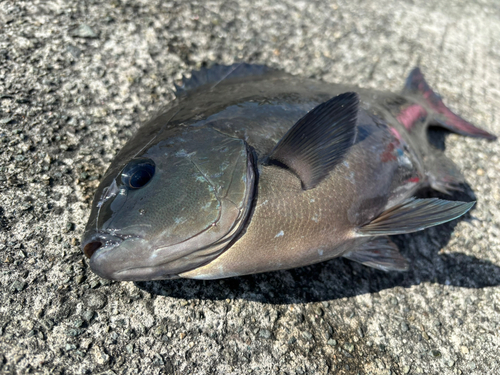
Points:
(253, 170)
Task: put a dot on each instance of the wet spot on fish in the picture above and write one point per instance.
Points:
(312, 200)
(142, 211)
(350, 177)
(263, 203)
(180, 220)
(207, 206)
(108, 193)
(346, 163)
(320, 252)
(315, 218)
(280, 234)
(405, 161)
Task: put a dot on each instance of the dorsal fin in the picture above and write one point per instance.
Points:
(218, 73)
(319, 140)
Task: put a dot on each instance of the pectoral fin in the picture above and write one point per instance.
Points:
(319, 140)
(413, 215)
(380, 253)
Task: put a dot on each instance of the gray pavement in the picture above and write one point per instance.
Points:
(77, 78)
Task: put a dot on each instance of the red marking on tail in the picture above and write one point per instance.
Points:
(410, 115)
(416, 84)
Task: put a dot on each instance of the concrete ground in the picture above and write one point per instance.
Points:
(77, 78)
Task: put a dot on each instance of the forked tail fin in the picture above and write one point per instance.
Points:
(417, 86)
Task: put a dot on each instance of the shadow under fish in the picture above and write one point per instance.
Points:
(253, 170)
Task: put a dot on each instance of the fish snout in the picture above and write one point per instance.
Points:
(123, 257)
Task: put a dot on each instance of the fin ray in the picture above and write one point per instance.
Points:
(413, 215)
(380, 253)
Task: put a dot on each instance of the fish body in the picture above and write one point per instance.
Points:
(252, 170)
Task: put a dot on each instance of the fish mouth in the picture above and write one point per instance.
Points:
(98, 246)
(132, 258)
(100, 241)
(120, 257)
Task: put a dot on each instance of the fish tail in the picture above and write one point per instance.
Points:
(429, 109)
(440, 114)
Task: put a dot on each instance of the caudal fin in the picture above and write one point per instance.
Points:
(417, 86)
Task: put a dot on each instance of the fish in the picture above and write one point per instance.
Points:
(251, 169)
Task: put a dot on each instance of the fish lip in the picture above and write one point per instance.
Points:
(108, 242)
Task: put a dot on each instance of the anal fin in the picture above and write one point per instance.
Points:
(380, 253)
(413, 215)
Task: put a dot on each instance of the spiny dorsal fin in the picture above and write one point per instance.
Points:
(380, 253)
(413, 215)
(218, 73)
(319, 140)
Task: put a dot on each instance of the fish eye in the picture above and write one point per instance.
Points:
(138, 173)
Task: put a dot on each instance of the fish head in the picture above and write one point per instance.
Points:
(171, 206)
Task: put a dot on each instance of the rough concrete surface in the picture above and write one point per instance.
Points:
(77, 78)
